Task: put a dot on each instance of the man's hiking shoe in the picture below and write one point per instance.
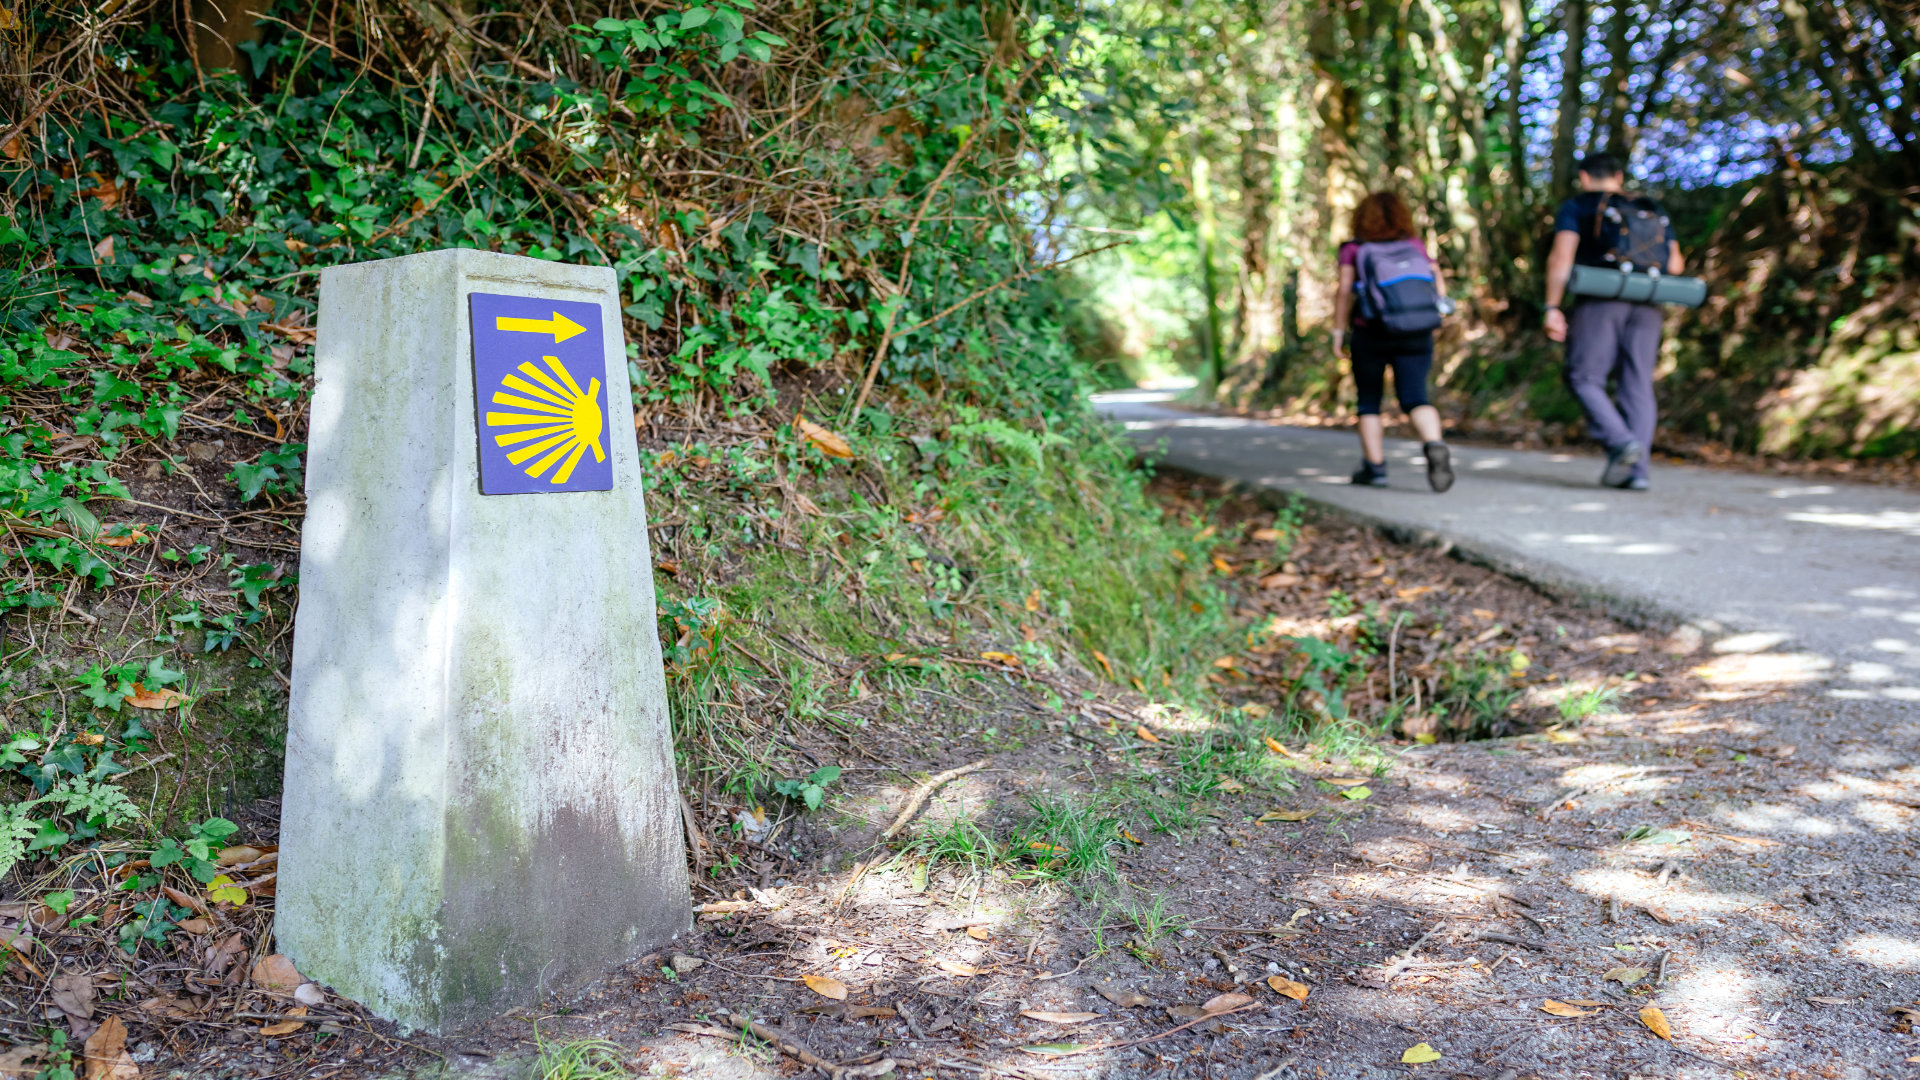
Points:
(1370, 475)
(1638, 483)
(1439, 466)
(1620, 463)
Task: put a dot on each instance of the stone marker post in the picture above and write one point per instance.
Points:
(481, 804)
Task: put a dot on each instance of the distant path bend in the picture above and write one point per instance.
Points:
(1820, 574)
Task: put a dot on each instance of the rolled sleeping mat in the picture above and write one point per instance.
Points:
(1605, 283)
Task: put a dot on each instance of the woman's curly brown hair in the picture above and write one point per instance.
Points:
(1382, 217)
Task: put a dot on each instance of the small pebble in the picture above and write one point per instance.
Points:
(683, 963)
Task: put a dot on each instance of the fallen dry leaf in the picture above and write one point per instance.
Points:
(1105, 665)
(978, 933)
(1832, 1000)
(1144, 735)
(826, 441)
(277, 973)
(1061, 1017)
(310, 994)
(23, 1062)
(1222, 565)
(826, 986)
(1587, 1003)
(195, 926)
(106, 191)
(1276, 746)
(73, 995)
(1564, 1008)
(1053, 1049)
(1286, 815)
(1225, 1002)
(106, 1053)
(1419, 1054)
(1001, 658)
(165, 698)
(134, 535)
(1126, 999)
(1229, 785)
(1280, 580)
(725, 906)
(242, 853)
(1656, 1022)
(955, 967)
(286, 1027)
(1413, 591)
(1286, 987)
(1346, 781)
(1625, 976)
(193, 903)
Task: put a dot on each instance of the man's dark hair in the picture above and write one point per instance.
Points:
(1600, 166)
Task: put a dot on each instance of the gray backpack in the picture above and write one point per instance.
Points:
(1394, 287)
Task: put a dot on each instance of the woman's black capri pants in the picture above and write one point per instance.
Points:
(1409, 355)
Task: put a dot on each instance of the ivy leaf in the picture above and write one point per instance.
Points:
(694, 17)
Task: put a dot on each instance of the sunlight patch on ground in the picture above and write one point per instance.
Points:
(1722, 1005)
(1886, 953)
(1744, 670)
(1906, 521)
(1766, 817)
(1678, 902)
(1440, 819)
(1750, 643)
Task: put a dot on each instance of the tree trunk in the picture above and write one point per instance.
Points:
(1619, 68)
(1254, 320)
(1256, 329)
(1566, 126)
(1211, 350)
(1513, 26)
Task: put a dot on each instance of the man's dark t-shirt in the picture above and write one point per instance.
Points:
(1576, 215)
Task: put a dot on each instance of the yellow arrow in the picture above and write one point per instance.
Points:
(559, 326)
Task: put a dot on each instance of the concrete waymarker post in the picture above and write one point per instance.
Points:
(481, 805)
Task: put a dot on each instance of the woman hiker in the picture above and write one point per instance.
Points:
(1392, 296)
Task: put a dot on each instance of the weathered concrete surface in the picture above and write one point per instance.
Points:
(1824, 577)
(480, 804)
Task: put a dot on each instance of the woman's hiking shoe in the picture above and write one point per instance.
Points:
(1439, 466)
(1370, 475)
(1620, 463)
(1638, 483)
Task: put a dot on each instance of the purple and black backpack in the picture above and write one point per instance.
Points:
(1393, 287)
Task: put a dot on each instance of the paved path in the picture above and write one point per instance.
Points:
(1821, 577)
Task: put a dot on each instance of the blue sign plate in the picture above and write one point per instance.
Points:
(540, 395)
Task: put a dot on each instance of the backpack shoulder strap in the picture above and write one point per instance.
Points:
(1600, 212)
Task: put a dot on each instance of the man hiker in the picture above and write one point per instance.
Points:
(1605, 227)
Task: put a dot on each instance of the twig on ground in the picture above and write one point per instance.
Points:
(786, 1045)
(1064, 974)
(925, 791)
(1123, 1044)
(695, 840)
(1504, 939)
(1405, 960)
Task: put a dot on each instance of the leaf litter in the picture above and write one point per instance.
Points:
(1361, 883)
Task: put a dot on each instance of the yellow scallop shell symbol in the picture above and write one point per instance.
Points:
(559, 424)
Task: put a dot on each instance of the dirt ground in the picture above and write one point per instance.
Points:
(1720, 844)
